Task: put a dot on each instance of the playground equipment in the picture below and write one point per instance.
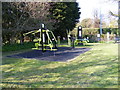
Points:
(46, 39)
(78, 40)
(79, 36)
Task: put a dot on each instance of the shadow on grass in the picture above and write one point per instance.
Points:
(10, 61)
(84, 45)
(68, 75)
(100, 72)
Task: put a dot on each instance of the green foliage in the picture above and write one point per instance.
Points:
(111, 30)
(10, 36)
(102, 42)
(92, 33)
(14, 14)
(16, 47)
(66, 15)
(18, 17)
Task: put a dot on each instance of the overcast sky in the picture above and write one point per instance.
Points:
(88, 6)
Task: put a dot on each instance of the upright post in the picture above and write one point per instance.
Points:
(100, 23)
(42, 36)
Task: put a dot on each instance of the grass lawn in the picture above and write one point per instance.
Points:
(97, 68)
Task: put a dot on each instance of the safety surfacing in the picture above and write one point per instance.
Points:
(62, 54)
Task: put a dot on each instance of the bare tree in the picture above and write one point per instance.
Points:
(22, 16)
(116, 15)
(96, 19)
(87, 23)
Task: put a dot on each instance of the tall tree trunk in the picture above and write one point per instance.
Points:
(21, 38)
(12, 38)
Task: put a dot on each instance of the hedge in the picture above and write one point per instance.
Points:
(13, 36)
(92, 33)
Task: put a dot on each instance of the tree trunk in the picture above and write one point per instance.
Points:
(12, 38)
(21, 38)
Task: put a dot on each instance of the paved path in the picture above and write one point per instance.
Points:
(62, 54)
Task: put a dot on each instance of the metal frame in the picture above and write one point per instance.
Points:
(40, 39)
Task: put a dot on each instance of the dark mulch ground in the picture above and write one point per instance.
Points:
(62, 54)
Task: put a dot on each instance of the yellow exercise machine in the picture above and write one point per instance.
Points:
(46, 40)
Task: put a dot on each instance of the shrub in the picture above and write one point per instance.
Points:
(15, 47)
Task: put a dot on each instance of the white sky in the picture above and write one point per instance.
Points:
(88, 6)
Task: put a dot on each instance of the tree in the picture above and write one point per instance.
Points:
(22, 16)
(113, 22)
(66, 15)
(96, 19)
(116, 15)
(87, 23)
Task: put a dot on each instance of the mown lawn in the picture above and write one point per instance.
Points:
(97, 68)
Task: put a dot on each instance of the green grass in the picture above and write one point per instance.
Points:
(24, 46)
(16, 47)
(97, 68)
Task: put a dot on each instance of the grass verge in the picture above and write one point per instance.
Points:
(97, 68)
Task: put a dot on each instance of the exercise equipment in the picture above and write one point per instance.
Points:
(78, 39)
(46, 39)
(79, 36)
